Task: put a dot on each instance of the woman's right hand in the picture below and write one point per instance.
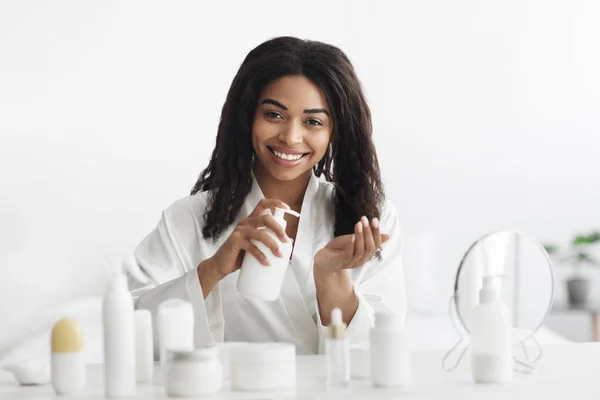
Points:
(229, 257)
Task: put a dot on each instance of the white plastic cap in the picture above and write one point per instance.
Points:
(263, 352)
(209, 352)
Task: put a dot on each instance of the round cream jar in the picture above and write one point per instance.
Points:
(263, 367)
(190, 373)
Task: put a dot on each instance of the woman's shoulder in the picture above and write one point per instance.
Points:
(183, 208)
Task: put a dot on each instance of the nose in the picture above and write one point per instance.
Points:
(291, 135)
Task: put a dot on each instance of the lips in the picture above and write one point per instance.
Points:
(288, 155)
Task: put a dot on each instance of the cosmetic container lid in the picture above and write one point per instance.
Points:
(200, 354)
(263, 352)
(67, 336)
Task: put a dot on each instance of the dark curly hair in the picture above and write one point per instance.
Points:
(350, 161)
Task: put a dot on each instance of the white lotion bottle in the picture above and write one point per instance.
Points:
(390, 352)
(119, 334)
(68, 368)
(337, 352)
(144, 346)
(264, 282)
(491, 342)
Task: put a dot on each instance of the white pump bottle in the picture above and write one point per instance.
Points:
(491, 342)
(264, 282)
(119, 333)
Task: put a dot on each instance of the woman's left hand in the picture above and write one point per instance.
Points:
(350, 251)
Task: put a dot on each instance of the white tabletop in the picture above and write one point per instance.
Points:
(564, 370)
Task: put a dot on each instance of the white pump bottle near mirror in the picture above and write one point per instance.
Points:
(491, 342)
(264, 282)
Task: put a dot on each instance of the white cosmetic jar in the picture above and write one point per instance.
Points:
(190, 373)
(263, 367)
(225, 355)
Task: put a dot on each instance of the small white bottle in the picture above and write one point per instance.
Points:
(68, 364)
(337, 352)
(119, 334)
(175, 325)
(390, 352)
(262, 282)
(144, 346)
(491, 343)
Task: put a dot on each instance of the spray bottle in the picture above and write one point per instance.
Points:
(264, 282)
(119, 332)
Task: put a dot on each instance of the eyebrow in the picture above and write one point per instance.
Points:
(308, 111)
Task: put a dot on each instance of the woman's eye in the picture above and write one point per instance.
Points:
(315, 122)
(272, 114)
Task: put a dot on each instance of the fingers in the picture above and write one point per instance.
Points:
(249, 247)
(269, 222)
(359, 245)
(369, 241)
(263, 236)
(376, 233)
(268, 204)
(344, 242)
(244, 236)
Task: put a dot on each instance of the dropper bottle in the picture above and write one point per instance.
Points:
(337, 352)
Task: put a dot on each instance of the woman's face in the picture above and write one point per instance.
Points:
(292, 127)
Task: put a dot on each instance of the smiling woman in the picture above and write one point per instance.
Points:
(295, 132)
(288, 136)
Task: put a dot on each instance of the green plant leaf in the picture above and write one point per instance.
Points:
(586, 239)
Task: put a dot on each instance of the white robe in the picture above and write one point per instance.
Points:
(170, 254)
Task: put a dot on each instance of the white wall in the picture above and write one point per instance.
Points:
(487, 116)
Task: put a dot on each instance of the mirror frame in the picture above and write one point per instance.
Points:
(462, 261)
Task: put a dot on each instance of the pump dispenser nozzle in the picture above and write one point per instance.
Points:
(489, 292)
(280, 214)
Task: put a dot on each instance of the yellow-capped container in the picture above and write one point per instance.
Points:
(68, 363)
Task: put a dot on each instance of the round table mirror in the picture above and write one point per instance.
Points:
(524, 277)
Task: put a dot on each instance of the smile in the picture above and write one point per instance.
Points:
(287, 157)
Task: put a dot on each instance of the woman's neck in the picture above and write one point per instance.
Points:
(290, 192)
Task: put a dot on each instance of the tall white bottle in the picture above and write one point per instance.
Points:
(119, 334)
(262, 282)
(491, 341)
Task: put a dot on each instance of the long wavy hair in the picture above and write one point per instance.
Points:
(350, 162)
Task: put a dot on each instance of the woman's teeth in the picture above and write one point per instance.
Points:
(288, 157)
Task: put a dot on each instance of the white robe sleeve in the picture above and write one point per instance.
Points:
(381, 288)
(169, 256)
